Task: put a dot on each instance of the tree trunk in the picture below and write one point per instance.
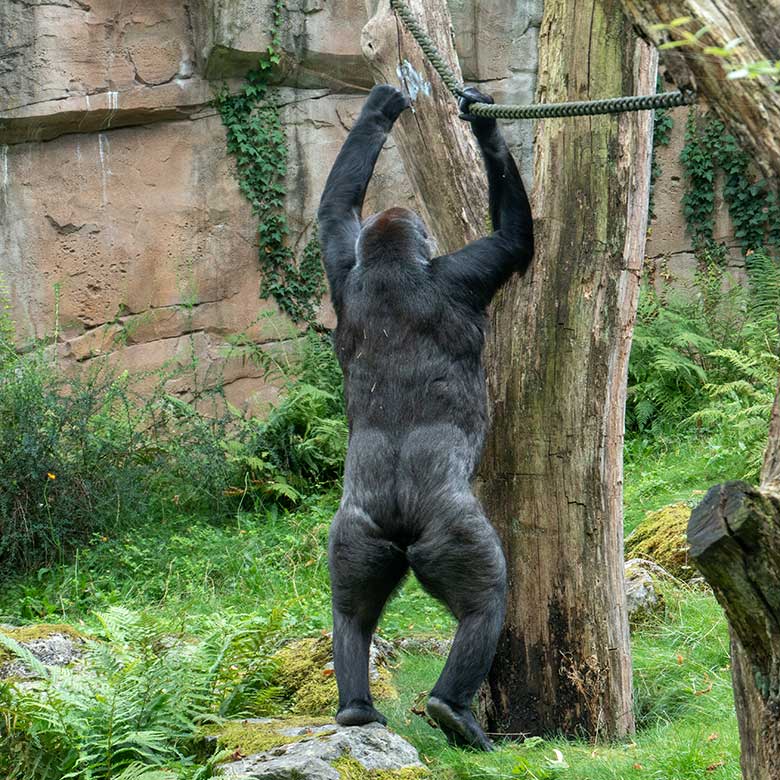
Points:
(752, 111)
(553, 469)
(735, 540)
(558, 356)
(440, 154)
(749, 107)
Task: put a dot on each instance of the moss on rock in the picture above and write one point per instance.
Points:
(257, 736)
(305, 673)
(23, 634)
(350, 768)
(661, 538)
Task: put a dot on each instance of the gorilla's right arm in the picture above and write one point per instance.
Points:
(342, 199)
(480, 268)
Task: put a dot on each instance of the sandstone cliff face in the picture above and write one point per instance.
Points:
(670, 255)
(120, 215)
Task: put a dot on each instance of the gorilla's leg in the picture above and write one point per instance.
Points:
(459, 560)
(364, 571)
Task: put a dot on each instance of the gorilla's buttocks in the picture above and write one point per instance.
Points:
(409, 340)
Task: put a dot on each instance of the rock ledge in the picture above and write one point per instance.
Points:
(329, 752)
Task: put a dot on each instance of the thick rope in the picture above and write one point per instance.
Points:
(540, 110)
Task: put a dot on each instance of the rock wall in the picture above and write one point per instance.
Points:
(121, 222)
(670, 257)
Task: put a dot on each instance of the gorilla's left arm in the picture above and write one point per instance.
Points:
(342, 199)
(480, 268)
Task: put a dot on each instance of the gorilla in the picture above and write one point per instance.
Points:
(409, 339)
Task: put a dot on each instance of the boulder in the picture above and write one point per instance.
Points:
(52, 645)
(120, 215)
(643, 598)
(301, 751)
(75, 66)
(426, 645)
(151, 246)
(317, 48)
(661, 538)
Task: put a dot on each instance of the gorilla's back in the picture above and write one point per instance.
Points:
(411, 356)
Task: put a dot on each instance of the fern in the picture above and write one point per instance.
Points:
(708, 357)
(134, 709)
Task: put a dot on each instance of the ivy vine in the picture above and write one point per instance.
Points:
(709, 151)
(662, 135)
(256, 140)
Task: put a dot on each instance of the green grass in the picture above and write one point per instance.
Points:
(663, 469)
(685, 717)
(183, 571)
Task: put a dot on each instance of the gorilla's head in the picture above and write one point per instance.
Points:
(394, 234)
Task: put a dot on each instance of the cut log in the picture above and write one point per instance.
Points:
(734, 534)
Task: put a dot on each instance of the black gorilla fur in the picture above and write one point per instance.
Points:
(409, 340)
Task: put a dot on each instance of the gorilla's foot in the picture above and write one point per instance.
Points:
(358, 713)
(459, 726)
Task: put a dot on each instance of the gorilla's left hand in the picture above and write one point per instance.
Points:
(388, 100)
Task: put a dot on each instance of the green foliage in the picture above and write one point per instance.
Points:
(136, 700)
(766, 70)
(709, 362)
(194, 577)
(69, 458)
(300, 447)
(256, 140)
(752, 202)
(84, 453)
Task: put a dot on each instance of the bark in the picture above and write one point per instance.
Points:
(749, 107)
(440, 155)
(735, 540)
(557, 359)
(552, 471)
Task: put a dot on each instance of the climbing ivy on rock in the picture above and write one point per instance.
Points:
(662, 135)
(709, 151)
(256, 140)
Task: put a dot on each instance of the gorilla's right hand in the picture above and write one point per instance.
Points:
(388, 101)
(480, 124)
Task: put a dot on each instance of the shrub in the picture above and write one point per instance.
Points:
(70, 458)
(84, 453)
(300, 448)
